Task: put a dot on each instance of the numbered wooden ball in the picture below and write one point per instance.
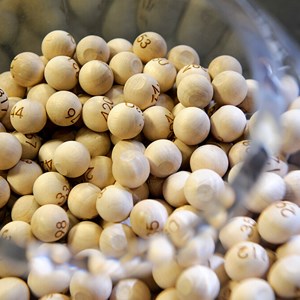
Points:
(124, 145)
(10, 151)
(158, 123)
(279, 222)
(58, 42)
(96, 77)
(95, 113)
(148, 217)
(164, 158)
(182, 55)
(163, 71)
(142, 90)
(191, 125)
(124, 65)
(114, 203)
(125, 121)
(239, 229)
(27, 69)
(189, 70)
(23, 175)
(195, 90)
(245, 260)
(41, 93)
(61, 72)
(118, 45)
(49, 223)
(92, 47)
(28, 116)
(46, 154)
(71, 159)
(3, 103)
(63, 108)
(149, 45)
(56, 185)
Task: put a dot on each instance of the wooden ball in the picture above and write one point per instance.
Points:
(292, 188)
(71, 159)
(158, 123)
(290, 142)
(190, 70)
(268, 189)
(84, 235)
(115, 94)
(291, 247)
(142, 90)
(148, 217)
(125, 120)
(82, 200)
(10, 151)
(164, 157)
(55, 296)
(149, 45)
(168, 294)
(230, 87)
(252, 288)
(49, 223)
(3, 103)
(56, 185)
(209, 157)
(30, 143)
(27, 69)
(58, 42)
(6, 122)
(61, 72)
(279, 222)
(173, 188)
(284, 276)
(10, 86)
(239, 229)
(14, 288)
(95, 113)
(245, 260)
(163, 71)
(4, 192)
(63, 108)
(191, 284)
(114, 203)
(124, 145)
(92, 47)
(28, 116)
(289, 88)
(23, 175)
(124, 65)
(99, 172)
(24, 208)
(249, 104)
(191, 125)
(116, 239)
(46, 154)
(195, 90)
(118, 45)
(131, 289)
(19, 232)
(166, 101)
(223, 63)
(238, 152)
(228, 123)
(182, 55)
(203, 188)
(96, 77)
(98, 143)
(84, 285)
(131, 168)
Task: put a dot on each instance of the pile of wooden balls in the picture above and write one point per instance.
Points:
(116, 160)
